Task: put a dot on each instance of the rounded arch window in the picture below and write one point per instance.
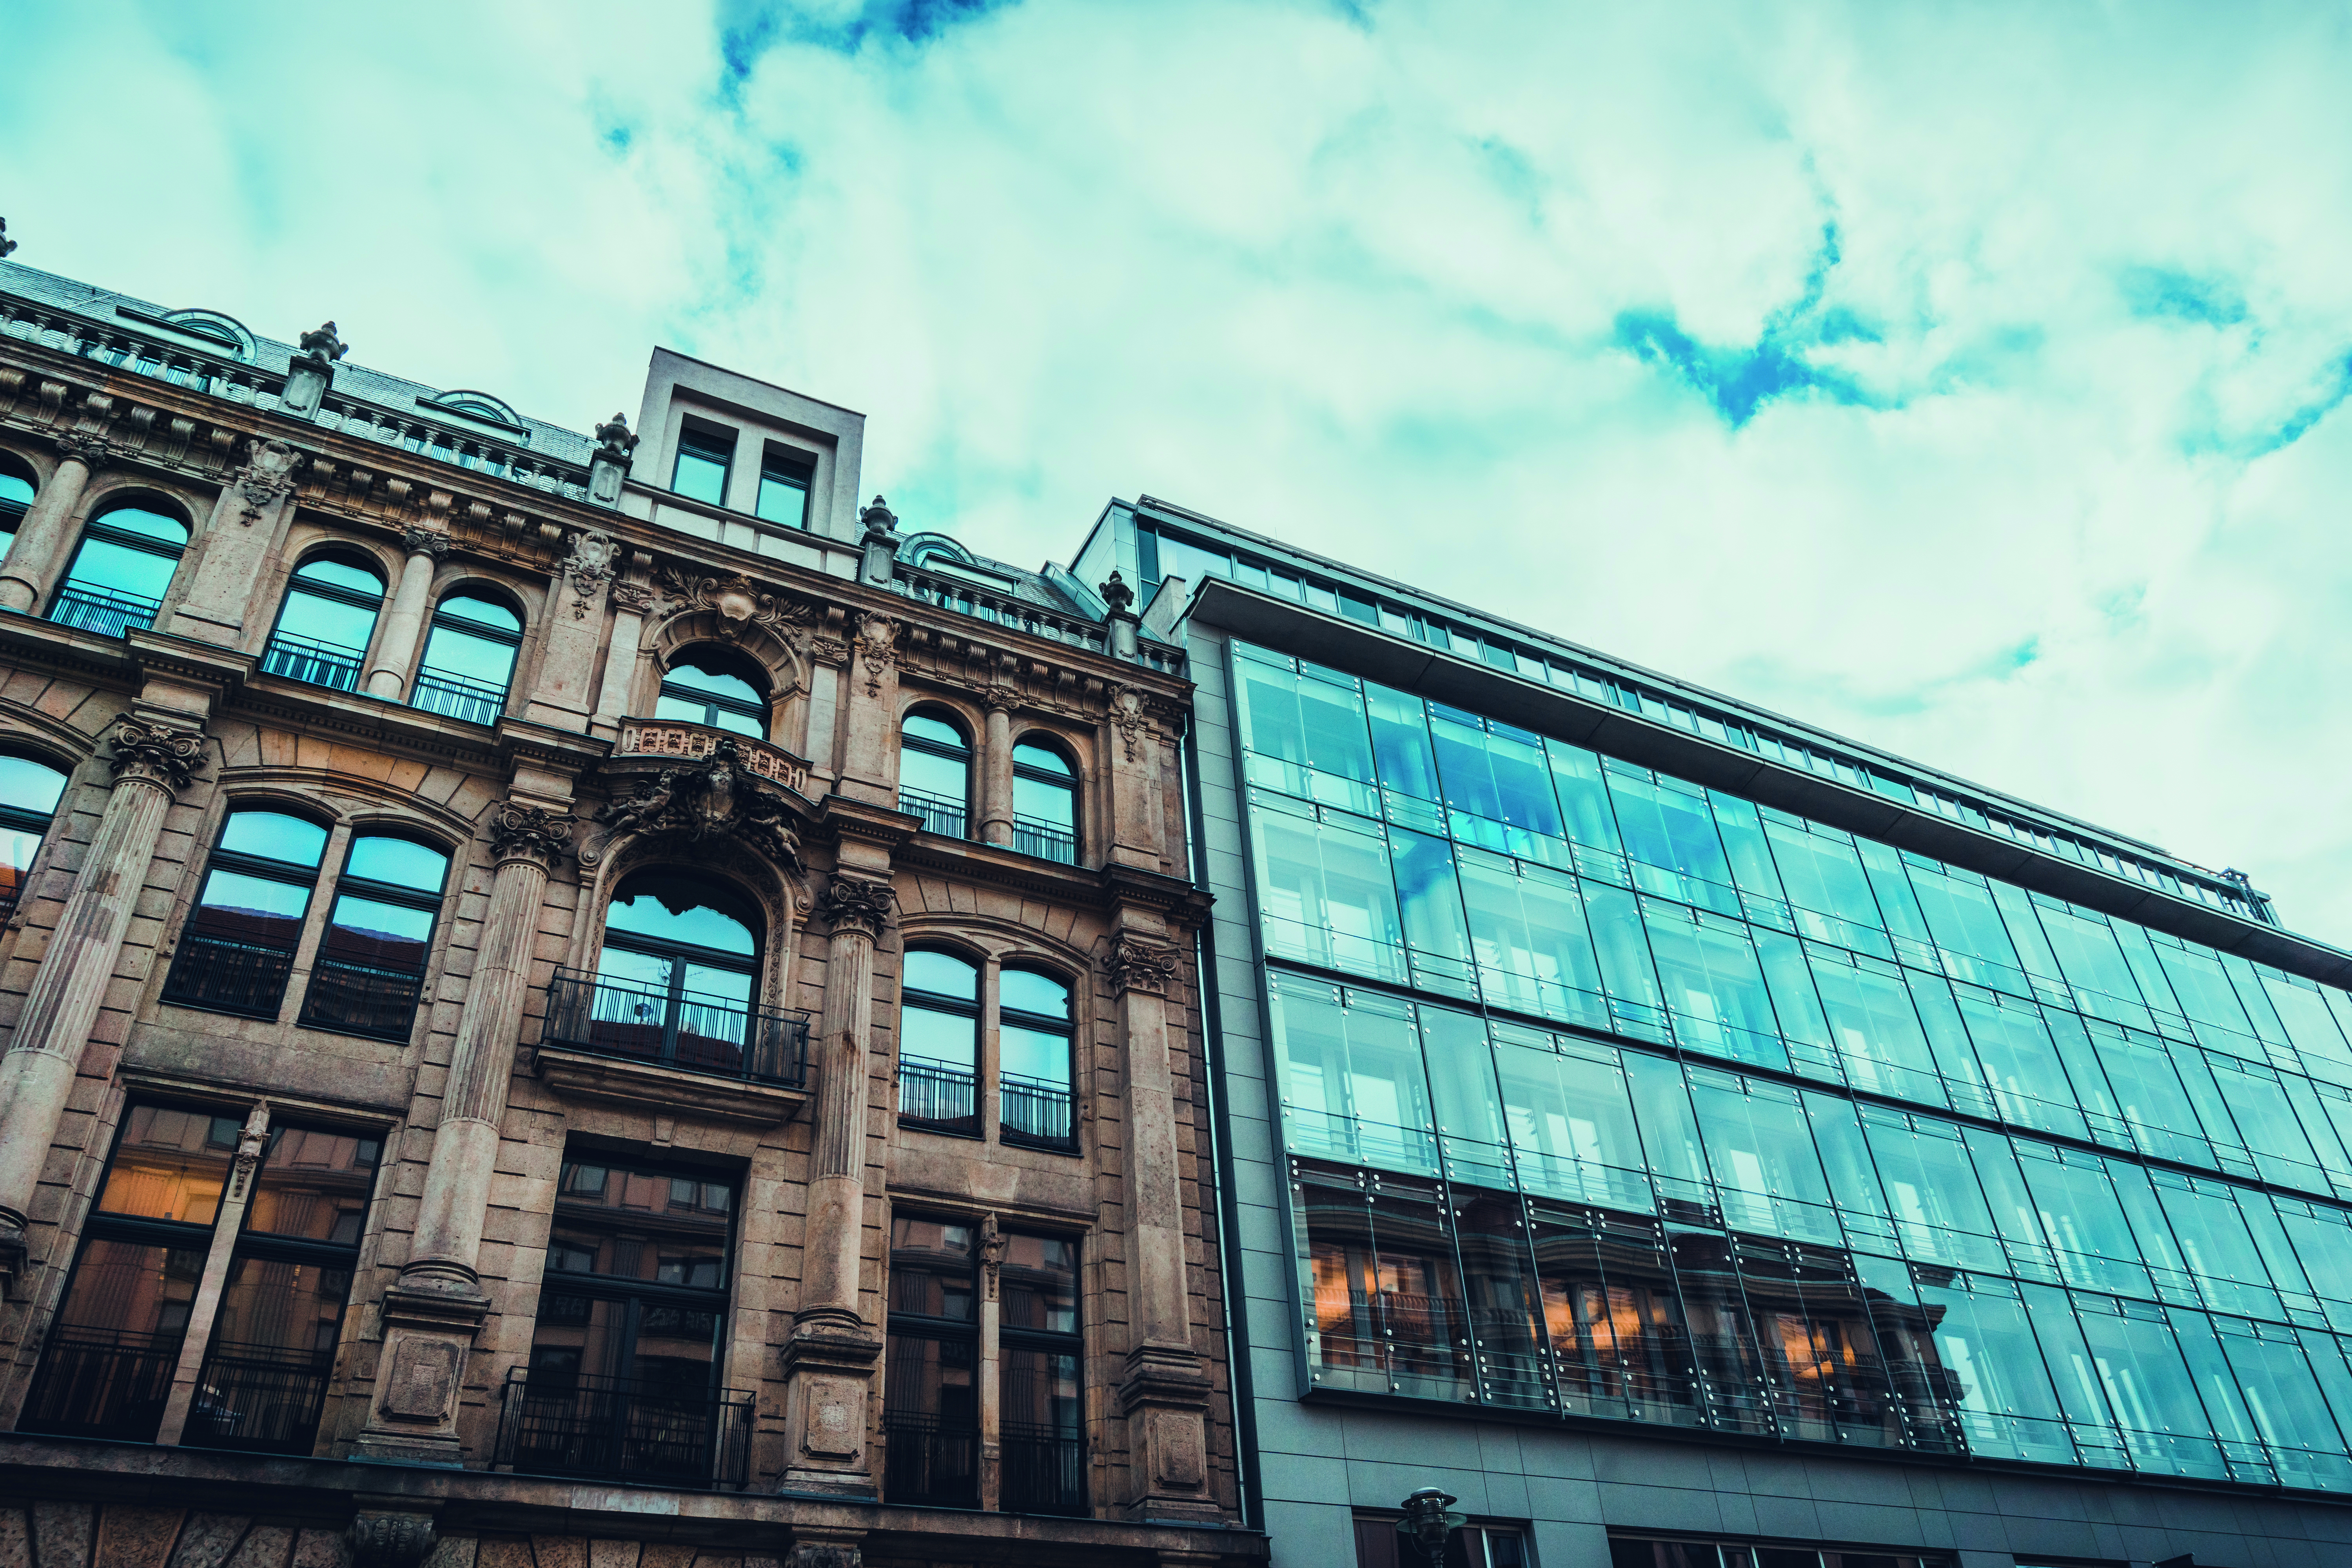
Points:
(1035, 1069)
(369, 975)
(1045, 802)
(939, 1042)
(324, 626)
(469, 659)
(238, 951)
(677, 974)
(29, 792)
(935, 774)
(711, 686)
(16, 490)
(121, 570)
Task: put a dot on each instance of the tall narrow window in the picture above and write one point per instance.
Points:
(106, 1370)
(239, 944)
(930, 1415)
(938, 1044)
(703, 457)
(323, 629)
(370, 970)
(1035, 1103)
(28, 802)
(1042, 1429)
(120, 571)
(783, 490)
(623, 1373)
(675, 980)
(264, 1381)
(15, 499)
(1044, 803)
(935, 774)
(708, 686)
(469, 657)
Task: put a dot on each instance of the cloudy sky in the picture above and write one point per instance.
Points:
(1967, 379)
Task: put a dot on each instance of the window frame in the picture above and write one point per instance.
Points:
(1045, 1342)
(24, 819)
(465, 688)
(708, 443)
(711, 703)
(747, 913)
(245, 864)
(320, 657)
(928, 806)
(98, 527)
(940, 1331)
(1040, 840)
(382, 893)
(972, 1125)
(785, 468)
(1065, 1028)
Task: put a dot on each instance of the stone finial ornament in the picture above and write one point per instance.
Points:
(1117, 593)
(7, 244)
(156, 755)
(322, 346)
(878, 518)
(615, 439)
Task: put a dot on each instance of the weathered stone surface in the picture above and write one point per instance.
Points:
(15, 1541)
(131, 1537)
(613, 1554)
(206, 1538)
(61, 1532)
(323, 1549)
(453, 1552)
(264, 1546)
(506, 1552)
(559, 1551)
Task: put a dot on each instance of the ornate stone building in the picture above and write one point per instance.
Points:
(574, 1000)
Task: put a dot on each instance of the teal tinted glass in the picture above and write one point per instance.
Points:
(275, 836)
(674, 917)
(28, 785)
(941, 975)
(402, 862)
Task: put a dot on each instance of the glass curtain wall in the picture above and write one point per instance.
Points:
(1874, 1151)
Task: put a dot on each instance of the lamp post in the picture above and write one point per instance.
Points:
(1428, 1523)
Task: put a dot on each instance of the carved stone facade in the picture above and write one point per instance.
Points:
(497, 1049)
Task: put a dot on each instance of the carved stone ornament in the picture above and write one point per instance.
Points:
(1136, 963)
(992, 1252)
(379, 1540)
(614, 441)
(1117, 593)
(737, 604)
(589, 566)
(156, 755)
(84, 447)
(251, 1144)
(878, 649)
(527, 832)
(829, 650)
(1134, 726)
(267, 478)
(1004, 697)
(7, 246)
(717, 797)
(855, 903)
(878, 519)
(634, 598)
(322, 347)
(425, 541)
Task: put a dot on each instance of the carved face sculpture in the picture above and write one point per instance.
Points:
(735, 603)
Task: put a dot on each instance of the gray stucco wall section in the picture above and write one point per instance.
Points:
(1320, 1461)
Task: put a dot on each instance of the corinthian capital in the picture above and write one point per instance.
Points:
(1135, 963)
(154, 754)
(425, 541)
(854, 903)
(84, 447)
(520, 832)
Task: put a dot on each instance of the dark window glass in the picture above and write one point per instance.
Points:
(783, 490)
(469, 657)
(15, 499)
(369, 975)
(120, 571)
(703, 457)
(1043, 1426)
(238, 948)
(678, 973)
(930, 1416)
(29, 792)
(707, 686)
(935, 774)
(323, 628)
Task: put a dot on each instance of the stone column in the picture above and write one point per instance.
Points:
(24, 575)
(1133, 748)
(152, 764)
(992, 1391)
(431, 1313)
(404, 621)
(829, 1358)
(869, 748)
(631, 605)
(996, 766)
(1164, 1391)
(226, 1223)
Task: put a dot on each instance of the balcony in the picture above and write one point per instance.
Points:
(938, 1099)
(96, 610)
(1044, 1471)
(361, 999)
(583, 1424)
(224, 976)
(941, 815)
(1035, 1112)
(1044, 840)
(312, 663)
(94, 1383)
(627, 1046)
(260, 1398)
(455, 697)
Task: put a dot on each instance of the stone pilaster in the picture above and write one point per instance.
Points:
(404, 620)
(991, 1365)
(152, 764)
(996, 766)
(561, 695)
(227, 1221)
(235, 545)
(631, 604)
(869, 700)
(431, 1313)
(32, 555)
(1132, 745)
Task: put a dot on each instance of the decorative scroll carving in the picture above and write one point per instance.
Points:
(321, 347)
(855, 903)
(84, 447)
(267, 478)
(389, 1539)
(1117, 593)
(829, 650)
(737, 604)
(250, 1146)
(717, 797)
(634, 598)
(1127, 712)
(154, 754)
(878, 649)
(527, 832)
(1136, 964)
(1004, 697)
(425, 541)
(614, 441)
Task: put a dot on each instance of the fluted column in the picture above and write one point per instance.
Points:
(829, 1359)
(151, 764)
(395, 646)
(996, 768)
(24, 575)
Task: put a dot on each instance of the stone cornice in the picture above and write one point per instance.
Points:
(559, 750)
(153, 653)
(840, 817)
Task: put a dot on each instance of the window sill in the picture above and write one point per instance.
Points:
(943, 1129)
(617, 1080)
(194, 1007)
(1065, 1146)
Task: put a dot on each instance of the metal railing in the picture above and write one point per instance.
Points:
(228, 976)
(455, 697)
(1032, 1110)
(96, 610)
(1044, 840)
(1005, 609)
(259, 1398)
(942, 1098)
(931, 1465)
(949, 819)
(1044, 1471)
(704, 1034)
(312, 663)
(361, 999)
(99, 1385)
(583, 1425)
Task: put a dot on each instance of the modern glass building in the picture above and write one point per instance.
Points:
(1685, 1136)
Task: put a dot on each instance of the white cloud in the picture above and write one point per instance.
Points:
(1358, 284)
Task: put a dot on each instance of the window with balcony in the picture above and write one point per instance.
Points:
(711, 686)
(469, 659)
(29, 792)
(120, 571)
(784, 489)
(1045, 802)
(935, 774)
(323, 630)
(623, 1379)
(1035, 1098)
(938, 1044)
(675, 985)
(239, 947)
(370, 970)
(930, 1413)
(1041, 1428)
(704, 454)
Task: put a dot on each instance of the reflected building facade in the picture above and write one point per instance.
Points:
(1684, 1135)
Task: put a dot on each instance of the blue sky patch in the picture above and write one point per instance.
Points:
(2163, 293)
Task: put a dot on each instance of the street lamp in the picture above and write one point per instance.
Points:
(1428, 1521)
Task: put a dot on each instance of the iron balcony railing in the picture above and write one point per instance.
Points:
(1044, 1471)
(942, 1098)
(931, 1464)
(94, 1383)
(259, 1397)
(578, 1424)
(1044, 840)
(226, 976)
(455, 697)
(96, 610)
(312, 663)
(700, 1034)
(1005, 609)
(361, 999)
(1032, 1110)
(940, 815)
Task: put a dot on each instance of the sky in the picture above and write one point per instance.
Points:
(1970, 380)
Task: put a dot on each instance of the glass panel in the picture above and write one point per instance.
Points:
(1708, 970)
(941, 975)
(939, 731)
(1306, 735)
(701, 474)
(2207, 997)
(1673, 831)
(784, 497)
(106, 1369)
(2148, 1386)
(1528, 930)
(1383, 1275)
(331, 623)
(1968, 929)
(707, 674)
(2020, 1064)
(1977, 1356)
(122, 569)
(1471, 1142)
(1325, 896)
(2286, 1401)
(265, 1374)
(1762, 1156)
(169, 1165)
(1040, 1284)
(1828, 887)
(1504, 1304)
(1583, 794)
(1938, 1209)
(28, 785)
(366, 931)
(1400, 752)
(1570, 1121)
(344, 574)
(450, 650)
(1612, 1315)
(1350, 1076)
(274, 836)
(1438, 944)
(669, 912)
(313, 1183)
(1027, 990)
(399, 862)
(1873, 1027)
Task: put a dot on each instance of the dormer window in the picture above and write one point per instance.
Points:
(703, 455)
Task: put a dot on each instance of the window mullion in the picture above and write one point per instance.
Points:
(988, 1373)
(228, 1224)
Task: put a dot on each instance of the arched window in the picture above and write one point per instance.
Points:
(468, 659)
(239, 944)
(120, 571)
(370, 970)
(28, 802)
(675, 977)
(935, 774)
(1033, 1069)
(938, 1043)
(324, 626)
(16, 497)
(709, 686)
(1044, 803)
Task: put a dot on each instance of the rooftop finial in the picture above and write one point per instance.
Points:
(324, 346)
(1117, 593)
(878, 518)
(614, 437)
(7, 244)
